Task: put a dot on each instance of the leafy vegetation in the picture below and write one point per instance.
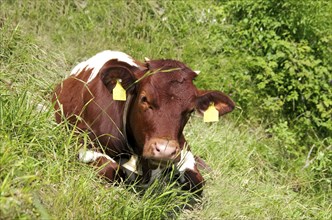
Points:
(287, 48)
(270, 158)
(287, 58)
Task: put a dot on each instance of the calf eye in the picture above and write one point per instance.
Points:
(144, 99)
(145, 103)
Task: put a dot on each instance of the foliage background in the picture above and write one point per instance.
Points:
(271, 157)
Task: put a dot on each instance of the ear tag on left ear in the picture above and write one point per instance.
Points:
(211, 114)
(119, 93)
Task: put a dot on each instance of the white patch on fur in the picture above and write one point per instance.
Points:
(78, 68)
(131, 165)
(197, 72)
(97, 62)
(88, 156)
(187, 161)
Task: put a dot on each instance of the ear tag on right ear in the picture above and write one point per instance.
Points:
(211, 114)
(119, 93)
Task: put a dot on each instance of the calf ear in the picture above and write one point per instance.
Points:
(222, 102)
(114, 71)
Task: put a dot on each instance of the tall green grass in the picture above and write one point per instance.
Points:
(40, 41)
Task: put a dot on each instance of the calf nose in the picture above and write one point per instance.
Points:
(164, 149)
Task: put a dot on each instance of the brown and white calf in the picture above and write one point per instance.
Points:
(147, 127)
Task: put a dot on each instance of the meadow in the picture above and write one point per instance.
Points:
(263, 164)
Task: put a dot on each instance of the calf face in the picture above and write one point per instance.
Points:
(164, 102)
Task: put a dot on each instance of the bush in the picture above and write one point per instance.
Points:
(283, 70)
(287, 60)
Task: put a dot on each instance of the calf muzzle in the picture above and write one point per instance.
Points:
(162, 149)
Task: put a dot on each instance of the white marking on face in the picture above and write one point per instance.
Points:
(197, 72)
(187, 161)
(88, 156)
(97, 62)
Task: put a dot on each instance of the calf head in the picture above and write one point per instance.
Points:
(165, 97)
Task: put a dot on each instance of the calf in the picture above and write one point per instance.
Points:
(146, 126)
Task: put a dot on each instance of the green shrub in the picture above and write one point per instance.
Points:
(287, 59)
(282, 70)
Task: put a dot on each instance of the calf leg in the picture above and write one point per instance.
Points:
(109, 169)
(105, 165)
(193, 181)
(190, 177)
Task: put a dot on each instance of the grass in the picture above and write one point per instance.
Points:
(40, 177)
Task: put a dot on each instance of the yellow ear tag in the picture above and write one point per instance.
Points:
(119, 93)
(211, 114)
